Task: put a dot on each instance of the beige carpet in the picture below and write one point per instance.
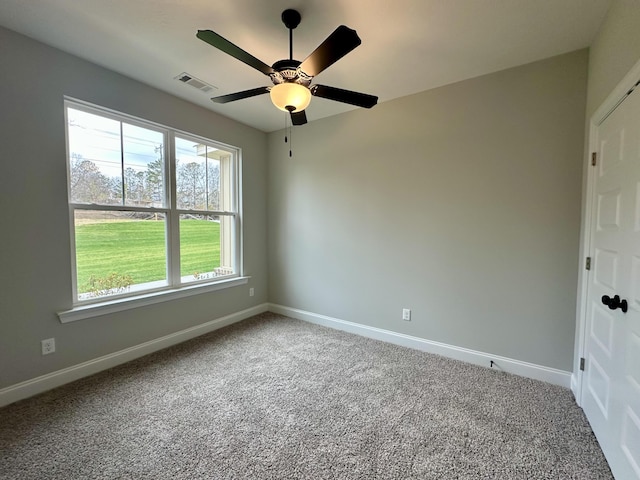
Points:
(276, 398)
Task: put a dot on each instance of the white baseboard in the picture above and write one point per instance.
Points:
(46, 382)
(52, 380)
(510, 365)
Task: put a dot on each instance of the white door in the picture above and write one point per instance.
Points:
(611, 381)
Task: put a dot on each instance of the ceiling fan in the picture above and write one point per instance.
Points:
(292, 89)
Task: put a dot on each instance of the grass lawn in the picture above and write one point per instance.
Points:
(137, 249)
(199, 246)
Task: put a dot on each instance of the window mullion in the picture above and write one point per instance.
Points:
(173, 220)
(118, 208)
(74, 266)
(124, 199)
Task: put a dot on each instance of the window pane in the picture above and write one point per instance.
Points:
(200, 248)
(95, 164)
(119, 252)
(104, 152)
(203, 176)
(143, 166)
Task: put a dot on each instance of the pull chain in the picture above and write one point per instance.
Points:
(288, 137)
(285, 127)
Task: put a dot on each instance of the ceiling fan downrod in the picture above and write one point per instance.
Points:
(291, 19)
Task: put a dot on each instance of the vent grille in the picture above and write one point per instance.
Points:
(195, 82)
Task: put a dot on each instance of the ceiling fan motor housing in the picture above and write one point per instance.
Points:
(289, 71)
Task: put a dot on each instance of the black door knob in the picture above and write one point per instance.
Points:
(615, 302)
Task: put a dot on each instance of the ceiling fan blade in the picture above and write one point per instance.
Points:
(298, 118)
(232, 97)
(337, 45)
(221, 43)
(345, 96)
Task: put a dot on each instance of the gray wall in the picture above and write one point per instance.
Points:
(461, 203)
(615, 50)
(35, 278)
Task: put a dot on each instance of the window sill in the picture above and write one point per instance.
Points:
(83, 312)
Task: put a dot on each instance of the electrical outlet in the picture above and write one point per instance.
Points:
(406, 314)
(251, 292)
(48, 346)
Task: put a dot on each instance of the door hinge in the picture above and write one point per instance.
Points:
(594, 156)
(582, 364)
(588, 263)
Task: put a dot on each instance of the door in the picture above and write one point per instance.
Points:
(611, 381)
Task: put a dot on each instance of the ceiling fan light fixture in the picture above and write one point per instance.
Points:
(288, 94)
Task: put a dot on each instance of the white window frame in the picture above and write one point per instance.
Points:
(174, 287)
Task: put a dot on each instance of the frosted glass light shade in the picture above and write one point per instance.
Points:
(290, 94)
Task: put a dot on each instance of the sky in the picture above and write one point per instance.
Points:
(97, 139)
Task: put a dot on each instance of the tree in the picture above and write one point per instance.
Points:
(155, 179)
(191, 185)
(213, 187)
(87, 183)
(134, 188)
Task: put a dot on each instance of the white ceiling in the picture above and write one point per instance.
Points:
(408, 46)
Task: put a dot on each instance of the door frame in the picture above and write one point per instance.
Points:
(614, 99)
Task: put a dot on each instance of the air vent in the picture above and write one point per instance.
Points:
(195, 82)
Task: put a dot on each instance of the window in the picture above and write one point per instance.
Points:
(151, 208)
